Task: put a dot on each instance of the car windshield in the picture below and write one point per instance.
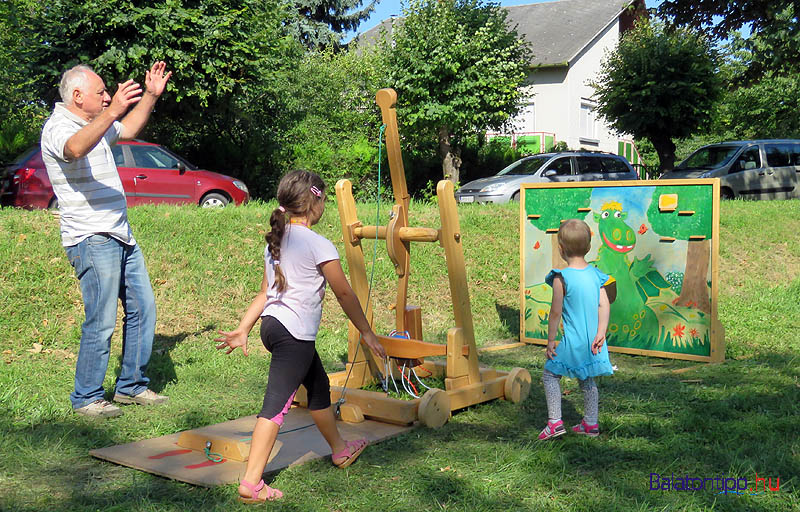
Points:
(524, 167)
(709, 157)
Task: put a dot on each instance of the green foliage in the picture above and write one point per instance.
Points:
(21, 116)
(773, 25)
(658, 84)
(697, 199)
(457, 68)
(335, 121)
(320, 23)
(481, 158)
(222, 108)
(765, 109)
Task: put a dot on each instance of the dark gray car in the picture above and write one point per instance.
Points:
(546, 168)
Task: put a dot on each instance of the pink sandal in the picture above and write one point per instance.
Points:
(272, 494)
(352, 449)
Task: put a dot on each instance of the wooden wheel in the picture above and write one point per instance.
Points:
(434, 408)
(518, 385)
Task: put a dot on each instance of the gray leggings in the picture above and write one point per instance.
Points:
(552, 392)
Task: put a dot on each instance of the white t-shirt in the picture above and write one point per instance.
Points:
(89, 190)
(299, 307)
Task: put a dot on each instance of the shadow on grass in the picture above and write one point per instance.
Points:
(161, 369)
(509, 318)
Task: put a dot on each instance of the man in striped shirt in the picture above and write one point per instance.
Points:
(76, 149)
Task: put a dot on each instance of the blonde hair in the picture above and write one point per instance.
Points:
(575, 238)
(300, 193)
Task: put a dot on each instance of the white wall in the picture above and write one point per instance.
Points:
(557, 94)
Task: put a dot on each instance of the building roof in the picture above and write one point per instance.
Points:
(557, 30)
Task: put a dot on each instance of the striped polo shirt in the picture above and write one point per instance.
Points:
(89, 190)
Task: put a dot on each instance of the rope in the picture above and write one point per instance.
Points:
(213, 457)
(371, 275)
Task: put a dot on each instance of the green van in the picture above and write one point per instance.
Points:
(755, 169)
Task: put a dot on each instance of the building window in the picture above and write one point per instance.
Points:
(525, 121)
(588, 122)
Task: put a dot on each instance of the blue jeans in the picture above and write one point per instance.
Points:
(107, 270)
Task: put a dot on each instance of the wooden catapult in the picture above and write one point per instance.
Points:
(465, 382)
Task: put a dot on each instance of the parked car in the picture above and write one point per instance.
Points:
(150, 174)
(546, 168)
(756, 169)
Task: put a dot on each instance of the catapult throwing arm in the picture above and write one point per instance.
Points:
(404, 348)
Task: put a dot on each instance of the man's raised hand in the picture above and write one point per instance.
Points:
(156, 79)
(128, 93)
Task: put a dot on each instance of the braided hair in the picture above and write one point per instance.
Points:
(300, 194)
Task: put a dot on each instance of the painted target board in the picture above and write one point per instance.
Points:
(659, 242)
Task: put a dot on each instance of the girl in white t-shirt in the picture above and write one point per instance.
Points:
(298, 263)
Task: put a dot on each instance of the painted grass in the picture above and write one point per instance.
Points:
(735, 419)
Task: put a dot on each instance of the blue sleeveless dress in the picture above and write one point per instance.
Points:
(580, 316)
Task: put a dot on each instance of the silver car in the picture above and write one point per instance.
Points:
(753, 169)
(545, 168)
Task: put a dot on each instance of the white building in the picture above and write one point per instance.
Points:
(569, 39)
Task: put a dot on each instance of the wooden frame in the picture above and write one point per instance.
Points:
(704, 209)
(466, 384)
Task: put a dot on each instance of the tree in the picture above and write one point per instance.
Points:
(21, 116)
(659, 84)
(694, 290)
(321, 22)
(457, 68)
(552, 207)
(335, 123)
(230, 58)
(773, 24)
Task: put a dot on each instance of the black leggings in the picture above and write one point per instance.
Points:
(294, 362)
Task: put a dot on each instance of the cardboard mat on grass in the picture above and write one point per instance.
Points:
(181, 456)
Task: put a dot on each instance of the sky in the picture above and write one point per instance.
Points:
(386, 8)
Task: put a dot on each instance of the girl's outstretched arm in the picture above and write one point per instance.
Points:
(238, 337)
(554, 320)
(602, 321)
(332, 270)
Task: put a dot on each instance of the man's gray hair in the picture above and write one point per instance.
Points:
(73, 78)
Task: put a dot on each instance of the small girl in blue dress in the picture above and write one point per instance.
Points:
(578, 292)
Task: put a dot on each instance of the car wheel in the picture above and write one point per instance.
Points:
(515, 197)
(53, 204)
(213, 200)
(726, 193)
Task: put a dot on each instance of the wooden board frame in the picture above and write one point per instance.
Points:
(716, 330)
(466, 383)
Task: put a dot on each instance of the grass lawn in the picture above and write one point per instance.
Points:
(737, 419)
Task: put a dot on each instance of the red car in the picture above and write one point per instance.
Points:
(150, 174)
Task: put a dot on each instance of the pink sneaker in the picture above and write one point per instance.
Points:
(587, 430)
(553, 429)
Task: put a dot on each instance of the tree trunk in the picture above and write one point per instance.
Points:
(666, 153)
(557, 261)
(451, 157)
(694, 292)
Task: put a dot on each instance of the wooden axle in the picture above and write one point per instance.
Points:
(407, 234)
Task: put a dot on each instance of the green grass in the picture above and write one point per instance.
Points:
(737, 419)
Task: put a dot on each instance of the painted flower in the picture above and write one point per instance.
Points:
(536, 245)
(642, 229)
(694, 333)
(677, 331)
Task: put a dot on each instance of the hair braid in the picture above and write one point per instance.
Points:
(277, 222)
